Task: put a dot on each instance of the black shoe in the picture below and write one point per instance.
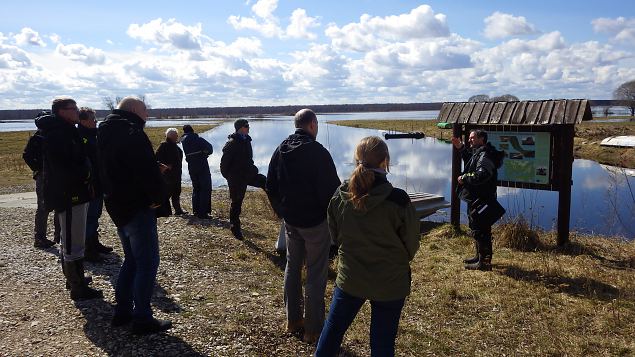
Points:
(120, 320)
(204, 216)
(85, 293)
(43, 243)
(150, 327)
(103, 249)
(180, 213)
(484, 263)
(93, 257)
(87, 280)
(238, 233)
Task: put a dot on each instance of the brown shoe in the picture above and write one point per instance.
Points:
(311, 338)
(295, 326)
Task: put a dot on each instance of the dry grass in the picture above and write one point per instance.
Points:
(13, 170)
(540, 299)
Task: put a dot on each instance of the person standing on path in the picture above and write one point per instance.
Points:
(170, 155)
(237, 166)
(300, 183)
(87, 129)
(67, 180)
(197, 150)
(376, 230)
(133, 188)
(32, 156)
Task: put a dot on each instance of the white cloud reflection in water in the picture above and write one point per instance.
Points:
(601, 200)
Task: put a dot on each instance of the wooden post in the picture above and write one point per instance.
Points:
(455, 208)
(565, 161)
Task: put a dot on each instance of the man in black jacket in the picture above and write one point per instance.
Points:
(170, 155)
(300, 183)
(66, 189)
(237, 166)
(87, 129)
(197, 150)
(478, 181)
(133, 188)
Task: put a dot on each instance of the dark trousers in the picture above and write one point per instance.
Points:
(201, 193)
(480, 232)
(140, 243)
(42, 214)
(384, 322)
(174, 195)
(237, 195)
(95, 208)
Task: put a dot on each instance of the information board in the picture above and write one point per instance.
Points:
(527, 155)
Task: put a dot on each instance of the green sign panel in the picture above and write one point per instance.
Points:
(527, 155)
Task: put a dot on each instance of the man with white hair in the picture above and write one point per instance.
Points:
(170, 156)
(133, 188)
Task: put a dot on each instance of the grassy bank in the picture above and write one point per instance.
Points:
(588, 136)
(539, 299)
(13, 170)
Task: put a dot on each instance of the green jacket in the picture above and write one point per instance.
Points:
(376, 245)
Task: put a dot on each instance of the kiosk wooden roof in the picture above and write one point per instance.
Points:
(541, 112)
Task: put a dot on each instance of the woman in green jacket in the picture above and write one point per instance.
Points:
(377, 234)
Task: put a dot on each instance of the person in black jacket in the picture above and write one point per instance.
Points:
(87, 129)
(300, 183)
(66, 171)
(170, 155)
(133, 188)
(32, 156)
(237, 166)
(478, 181)
(197, 150)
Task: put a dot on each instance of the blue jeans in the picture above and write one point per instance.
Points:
(95, 207)
(140, 242)
(384, 322)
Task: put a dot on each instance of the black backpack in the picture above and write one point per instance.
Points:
(32, 154)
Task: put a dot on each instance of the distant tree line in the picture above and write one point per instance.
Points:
(487, 98)
(238, 111)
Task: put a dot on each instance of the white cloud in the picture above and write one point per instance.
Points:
(55, 38)
(300, 25)
(622, 29)
(267, 24)
(12, 57)
(81, 53)
(171, 33)
(500, 25)
(28, 36)
(371, 32)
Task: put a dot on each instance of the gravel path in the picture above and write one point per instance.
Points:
(224, 296)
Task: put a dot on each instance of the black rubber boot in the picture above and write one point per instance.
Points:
(474, 259)
(91, 254)
(484, 261)
(75, 277)
(100, 247)
(150, 327)
(42, 243)
(237, 232)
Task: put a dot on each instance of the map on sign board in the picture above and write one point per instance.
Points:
(527, 155)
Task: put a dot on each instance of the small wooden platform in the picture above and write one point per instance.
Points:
(427, 204)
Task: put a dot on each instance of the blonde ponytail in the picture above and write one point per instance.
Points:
(370, 154)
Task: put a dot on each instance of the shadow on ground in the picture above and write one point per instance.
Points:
(579, 287)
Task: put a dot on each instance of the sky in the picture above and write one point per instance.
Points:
(277, 52)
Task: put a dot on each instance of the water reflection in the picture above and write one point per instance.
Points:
(601, 200)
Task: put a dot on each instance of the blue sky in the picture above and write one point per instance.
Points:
(270, 52)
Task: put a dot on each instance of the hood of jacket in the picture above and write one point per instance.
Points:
(50, 121)
(296, 142)
(119, 117)
(189, 136)
(378, 193)
(238, 137)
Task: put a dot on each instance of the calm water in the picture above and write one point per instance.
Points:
(601, 199)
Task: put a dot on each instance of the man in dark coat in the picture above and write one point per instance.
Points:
(197, 150)
(300, 183)
(478, 181)
(67, 189)
(237, 166)
(133, 188)
(87, 129)
(32, 156)
(170, 155)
